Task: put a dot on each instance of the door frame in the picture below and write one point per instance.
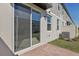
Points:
(31, 46)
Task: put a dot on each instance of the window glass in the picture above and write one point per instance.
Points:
(49, 22)
(48, 19)
(35, 27)
(58, 7)
(62, 12)
(68, 23)
(21, 27)
(35, 15)
(57, 24)
(48, 26)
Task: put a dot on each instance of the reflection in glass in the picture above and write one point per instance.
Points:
(49, 22)
(35, 27)
(21, 27)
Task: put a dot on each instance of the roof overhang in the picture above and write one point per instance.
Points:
(43, 5)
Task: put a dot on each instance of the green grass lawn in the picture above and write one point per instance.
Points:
(71, 45)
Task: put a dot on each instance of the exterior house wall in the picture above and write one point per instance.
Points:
(6, 24)
(55, 9)
(68, 28)
(56, 14)
(61, 11)
(64, 15)
(54, 33)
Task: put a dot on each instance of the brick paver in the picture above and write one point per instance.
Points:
(50, 50)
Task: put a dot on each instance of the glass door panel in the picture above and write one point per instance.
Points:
(21, 27)
(35, 27)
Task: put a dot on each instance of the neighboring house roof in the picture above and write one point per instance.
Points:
(67, 13)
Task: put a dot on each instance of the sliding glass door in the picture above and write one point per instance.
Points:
(22, 27)
(35, 27)
(23, 16)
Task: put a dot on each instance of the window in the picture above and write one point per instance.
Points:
(62, 12)
(57, 24)
(63, 24)
(35, 27)
(49, 22)
(58, 7)
(68, 23)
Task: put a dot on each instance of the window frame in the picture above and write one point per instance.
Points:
(32, 26)
(58, 7)
(58, 22)
(24, 7)
(48, 22)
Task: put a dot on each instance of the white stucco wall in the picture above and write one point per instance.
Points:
(6, 24)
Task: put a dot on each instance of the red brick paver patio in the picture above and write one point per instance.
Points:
(50, 50)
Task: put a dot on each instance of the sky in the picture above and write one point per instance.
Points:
(73, 9)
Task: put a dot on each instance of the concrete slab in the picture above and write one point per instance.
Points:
(50, 50)
(4, 50)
